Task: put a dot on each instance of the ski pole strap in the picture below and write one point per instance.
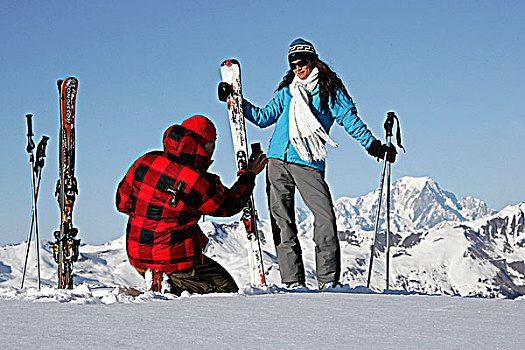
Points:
(398, 135)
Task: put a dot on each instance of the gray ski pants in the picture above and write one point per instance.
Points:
(282, 179)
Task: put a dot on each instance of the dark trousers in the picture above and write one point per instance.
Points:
(208, 277)
(282, 180)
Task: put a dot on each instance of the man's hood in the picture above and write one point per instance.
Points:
(185, 147)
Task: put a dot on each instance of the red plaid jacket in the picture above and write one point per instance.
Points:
(165, 194)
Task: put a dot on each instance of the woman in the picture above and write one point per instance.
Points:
(308, 101)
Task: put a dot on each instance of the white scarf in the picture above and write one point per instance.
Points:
(305, 130)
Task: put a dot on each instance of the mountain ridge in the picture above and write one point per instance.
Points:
(440, 245)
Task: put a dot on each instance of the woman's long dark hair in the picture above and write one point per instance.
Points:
(328, 83)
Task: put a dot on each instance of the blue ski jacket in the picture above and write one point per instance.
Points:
(344, 112)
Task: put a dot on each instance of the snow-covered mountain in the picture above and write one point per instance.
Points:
(440, 245)
(484, 258)
(416, 204)
(105, 264)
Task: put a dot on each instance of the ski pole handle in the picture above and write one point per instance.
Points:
(389, 123)
(30, 143)
(41, 152)
(41, 148)
(389, 126)
(29, 125)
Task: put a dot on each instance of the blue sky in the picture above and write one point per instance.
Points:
(452, 71)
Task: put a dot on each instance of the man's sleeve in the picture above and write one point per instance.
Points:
(124, 193)
(219, 200)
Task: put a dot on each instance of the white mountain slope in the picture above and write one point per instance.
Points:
(484, 257)
(106, 264)
(416, 204)
(480, 258)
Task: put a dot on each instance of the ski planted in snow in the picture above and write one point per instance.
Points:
(66, 245)
(230, 91)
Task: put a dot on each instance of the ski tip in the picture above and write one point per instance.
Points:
(67, 82)
(60, 82)
(71, 80)
(230, 62)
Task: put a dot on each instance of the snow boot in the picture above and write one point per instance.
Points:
(295, 285)
(157, 281)
(328, 286)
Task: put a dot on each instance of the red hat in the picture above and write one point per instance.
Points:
(202, 126)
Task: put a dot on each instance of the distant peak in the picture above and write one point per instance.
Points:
(418, 182)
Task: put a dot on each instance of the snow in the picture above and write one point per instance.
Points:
(255, 319)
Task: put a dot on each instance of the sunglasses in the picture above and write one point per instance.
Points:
(299, 64)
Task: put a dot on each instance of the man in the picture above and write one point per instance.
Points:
(165, 193)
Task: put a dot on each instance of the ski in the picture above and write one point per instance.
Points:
(231, 77)
(66, 246)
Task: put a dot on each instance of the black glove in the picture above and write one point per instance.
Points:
(224, 90)
(392, 152)
(377, 149)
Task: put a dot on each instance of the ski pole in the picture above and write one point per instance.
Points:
(376, 226)
(389, 124)
(39, 163)
(388, 226)
(29, 148)
(36, 171)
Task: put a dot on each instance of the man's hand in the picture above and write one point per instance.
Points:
(257, 164)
